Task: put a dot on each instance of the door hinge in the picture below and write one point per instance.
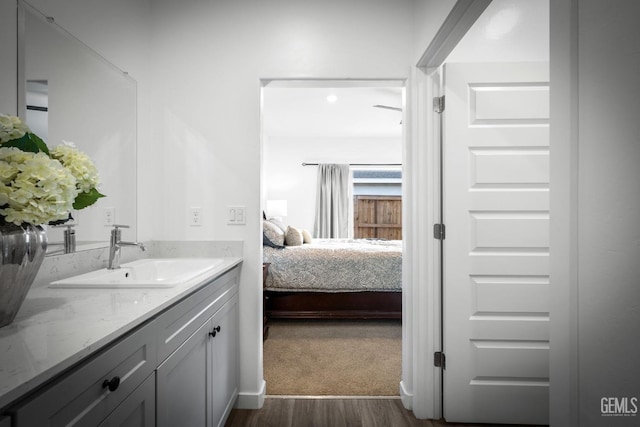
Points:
(438, 104)
(439, 360)
(438, 231)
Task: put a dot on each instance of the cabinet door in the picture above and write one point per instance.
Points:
(224, 362)
(138, 409)
(198, 383)
(184, 381)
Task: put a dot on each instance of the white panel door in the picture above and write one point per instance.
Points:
(496, 274)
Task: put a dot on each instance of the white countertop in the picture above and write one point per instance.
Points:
(56, 328)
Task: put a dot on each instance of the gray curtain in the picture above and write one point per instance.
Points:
(332, 202)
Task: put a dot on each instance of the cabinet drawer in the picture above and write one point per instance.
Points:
(83, 397)
(181, 321)
(139, 409)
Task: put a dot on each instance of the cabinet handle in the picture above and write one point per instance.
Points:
(112, 384)
(215, 331)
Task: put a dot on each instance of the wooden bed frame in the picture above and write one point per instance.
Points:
(328, 305)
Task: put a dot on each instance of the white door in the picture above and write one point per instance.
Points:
(496, 250)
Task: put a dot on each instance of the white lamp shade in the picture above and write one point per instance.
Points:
(276, 208)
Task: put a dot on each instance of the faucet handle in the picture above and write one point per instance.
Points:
(116, 232)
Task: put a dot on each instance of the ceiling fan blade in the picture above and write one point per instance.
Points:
(388, 107)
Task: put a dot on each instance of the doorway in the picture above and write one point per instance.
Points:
(311, 122)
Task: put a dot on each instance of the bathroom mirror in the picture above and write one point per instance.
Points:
(68, 92)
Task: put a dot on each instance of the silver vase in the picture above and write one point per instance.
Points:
(22, 249)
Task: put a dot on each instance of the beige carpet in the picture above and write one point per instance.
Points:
(333, 358)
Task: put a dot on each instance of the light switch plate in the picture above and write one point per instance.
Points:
(236, 215)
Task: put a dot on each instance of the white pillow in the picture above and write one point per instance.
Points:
(306, 236)
(278, 223)
(293, 237)
(273, 233)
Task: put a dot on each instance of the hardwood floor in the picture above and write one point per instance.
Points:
(328, 412)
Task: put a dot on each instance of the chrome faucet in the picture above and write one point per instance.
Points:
(69, 242)
(117, 244)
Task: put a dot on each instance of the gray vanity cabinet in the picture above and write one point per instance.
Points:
(89, 393)
(197, 384)
(190, 390)
(177, 369)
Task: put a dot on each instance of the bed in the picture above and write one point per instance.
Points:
(335, 278)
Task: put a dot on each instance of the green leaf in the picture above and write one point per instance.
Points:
(30, 142)
(86, 199)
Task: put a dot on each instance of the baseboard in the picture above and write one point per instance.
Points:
(252, 400)
(406, 397)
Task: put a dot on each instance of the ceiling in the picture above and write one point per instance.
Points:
(303, 111)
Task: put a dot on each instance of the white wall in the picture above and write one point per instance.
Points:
(428, 16)
(118, 29)
(286, 178)
(595, 153)
(209, 58)
(609, 206)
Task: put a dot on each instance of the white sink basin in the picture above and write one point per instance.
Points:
(144, 273)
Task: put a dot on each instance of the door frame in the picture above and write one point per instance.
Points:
(421, 386)
(407, 338)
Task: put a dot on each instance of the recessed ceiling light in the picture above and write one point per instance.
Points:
(332, 98)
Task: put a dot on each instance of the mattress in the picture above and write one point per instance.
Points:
(336, 265)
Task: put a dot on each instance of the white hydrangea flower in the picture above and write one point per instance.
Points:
(38, 188)
(11, 127)
(34, 188)
(79, 164)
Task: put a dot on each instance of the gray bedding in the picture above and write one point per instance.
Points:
(336, 265)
